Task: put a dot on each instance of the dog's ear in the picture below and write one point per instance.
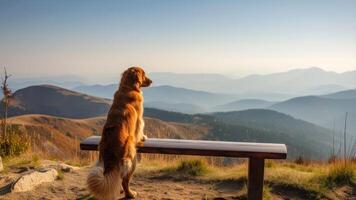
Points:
(136, 75)
(131, 77)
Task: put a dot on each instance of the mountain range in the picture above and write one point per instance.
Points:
(273, 87)
(243, 104)
(166, 97)
(202, 93)
(302, 138)
(326, 110)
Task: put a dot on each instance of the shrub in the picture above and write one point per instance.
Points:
(193, 167)
(339, 174)
(14, 144)
(332, 159)
(269, 164)
(302, 161)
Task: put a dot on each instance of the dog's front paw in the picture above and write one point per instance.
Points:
(131, 194)
(144, 138)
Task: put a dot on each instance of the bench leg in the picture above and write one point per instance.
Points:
(255, 178)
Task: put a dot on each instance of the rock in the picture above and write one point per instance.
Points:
(32, 179)
(1, 166)
(67, 168)
(23, 169)
(59, 166)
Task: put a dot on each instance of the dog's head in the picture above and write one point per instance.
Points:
(135, 77)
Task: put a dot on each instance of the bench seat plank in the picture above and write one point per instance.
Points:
(202, 147)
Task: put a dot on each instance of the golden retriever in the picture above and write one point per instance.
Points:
(122, 132)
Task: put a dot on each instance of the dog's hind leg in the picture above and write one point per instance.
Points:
(126, 181)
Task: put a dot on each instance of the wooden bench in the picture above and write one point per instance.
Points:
(255, 152)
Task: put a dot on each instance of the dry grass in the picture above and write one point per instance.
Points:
(313, 180)
(338, 174)
(309, 181)
(26, 160)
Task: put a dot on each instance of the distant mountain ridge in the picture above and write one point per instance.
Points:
(289, 84)
(176, 107)
(244, 104)
(258, 125)
(345, 94)
(325, 110)
(272, 87)
(55, 101)
(169, 97)
(310, 137)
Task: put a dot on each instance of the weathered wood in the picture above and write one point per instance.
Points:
(255, 178)
(203, 148)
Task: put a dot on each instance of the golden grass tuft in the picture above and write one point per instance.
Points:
(339, 174)
(196, 167)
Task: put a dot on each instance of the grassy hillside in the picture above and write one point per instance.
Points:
(57, 137)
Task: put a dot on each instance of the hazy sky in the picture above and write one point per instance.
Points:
(229, 37)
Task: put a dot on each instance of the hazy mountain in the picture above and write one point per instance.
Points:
(181, 95)
(176, 107)
(65, 81)
(274, 87)
(170, 96)
(346, 94)
(323, 110)
(302, 138)
(104, 91)
(325, 89)
(244, 104)
(204, 82)
(52, 100)
(309, 136)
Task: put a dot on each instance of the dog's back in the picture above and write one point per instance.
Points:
(116, 152)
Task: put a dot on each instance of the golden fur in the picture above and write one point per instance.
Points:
(122, 132)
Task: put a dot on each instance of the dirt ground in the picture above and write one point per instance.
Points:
(148, 186)
(72, 186)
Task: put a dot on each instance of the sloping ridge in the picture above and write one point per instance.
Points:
(56, 101)
(322, 110)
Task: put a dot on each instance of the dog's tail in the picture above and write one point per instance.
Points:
(104, 186)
